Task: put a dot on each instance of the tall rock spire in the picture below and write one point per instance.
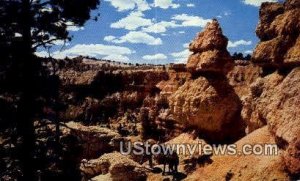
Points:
(210, 51)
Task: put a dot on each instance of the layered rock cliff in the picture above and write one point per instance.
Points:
(274, 99)
(278, 29)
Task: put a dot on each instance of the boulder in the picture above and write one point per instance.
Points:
(114, 166)
(209, 104)
(94, 139)
(209, 51)
(211, 38)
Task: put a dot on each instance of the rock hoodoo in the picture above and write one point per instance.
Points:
(208, 102)
(278, 30)
(209, 51)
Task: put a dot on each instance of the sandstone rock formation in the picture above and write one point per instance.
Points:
(208, 102)
(242, 76)
(176, 79)
(274, 99)
(244, 167)
(210, 105)
(278, 30)
(209, 51)
(187, 139)
(113, 166)
(95, 140)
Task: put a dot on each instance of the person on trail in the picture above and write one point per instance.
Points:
(174, 162)
(120, 128)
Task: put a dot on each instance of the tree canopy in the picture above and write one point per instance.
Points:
(26, 25)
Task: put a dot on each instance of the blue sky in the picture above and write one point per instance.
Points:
(158, 31)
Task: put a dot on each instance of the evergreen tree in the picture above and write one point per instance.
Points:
(26, 25)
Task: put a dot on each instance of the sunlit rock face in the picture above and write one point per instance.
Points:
(274, 100)
(278, 30)
(209, 51)
(207, 101)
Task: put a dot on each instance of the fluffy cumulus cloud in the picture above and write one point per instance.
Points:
(118, 57)
(94, 50)
(188, 20)
(239, 43)
(135, 37)
(165, 4)
(257, 2)
(133, 21)
(125, 5)
(160, 27)
(181, 20)
(109, 38)
(158, 56)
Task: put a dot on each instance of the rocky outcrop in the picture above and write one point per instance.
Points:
(209, 51)
(93, 139)
(187, 139)
(113, 166)
(207, 101)
(210, 105)
(278, 29)
(274, 100)
(176, 79)
(244, 167)
(243, 74)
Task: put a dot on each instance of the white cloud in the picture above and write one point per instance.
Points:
(257, 2)
(188, 20)
(72, 27)
(133, 21)
(137, 37)
(158, 56)
(248, 52)
(238, 43)
(160, 27)
(18, 35)
(109, 38)
(186, 45)
(124, 5)
(181, 32)
(116, 57)
(93, 50)
(61, 42)
(165, 4)
(181, 57)
(190, 5)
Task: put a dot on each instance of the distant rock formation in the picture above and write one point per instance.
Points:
(278, 29)
(113, 166)
(95, 140)
(210, 51)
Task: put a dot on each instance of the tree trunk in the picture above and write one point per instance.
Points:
(28, 88)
